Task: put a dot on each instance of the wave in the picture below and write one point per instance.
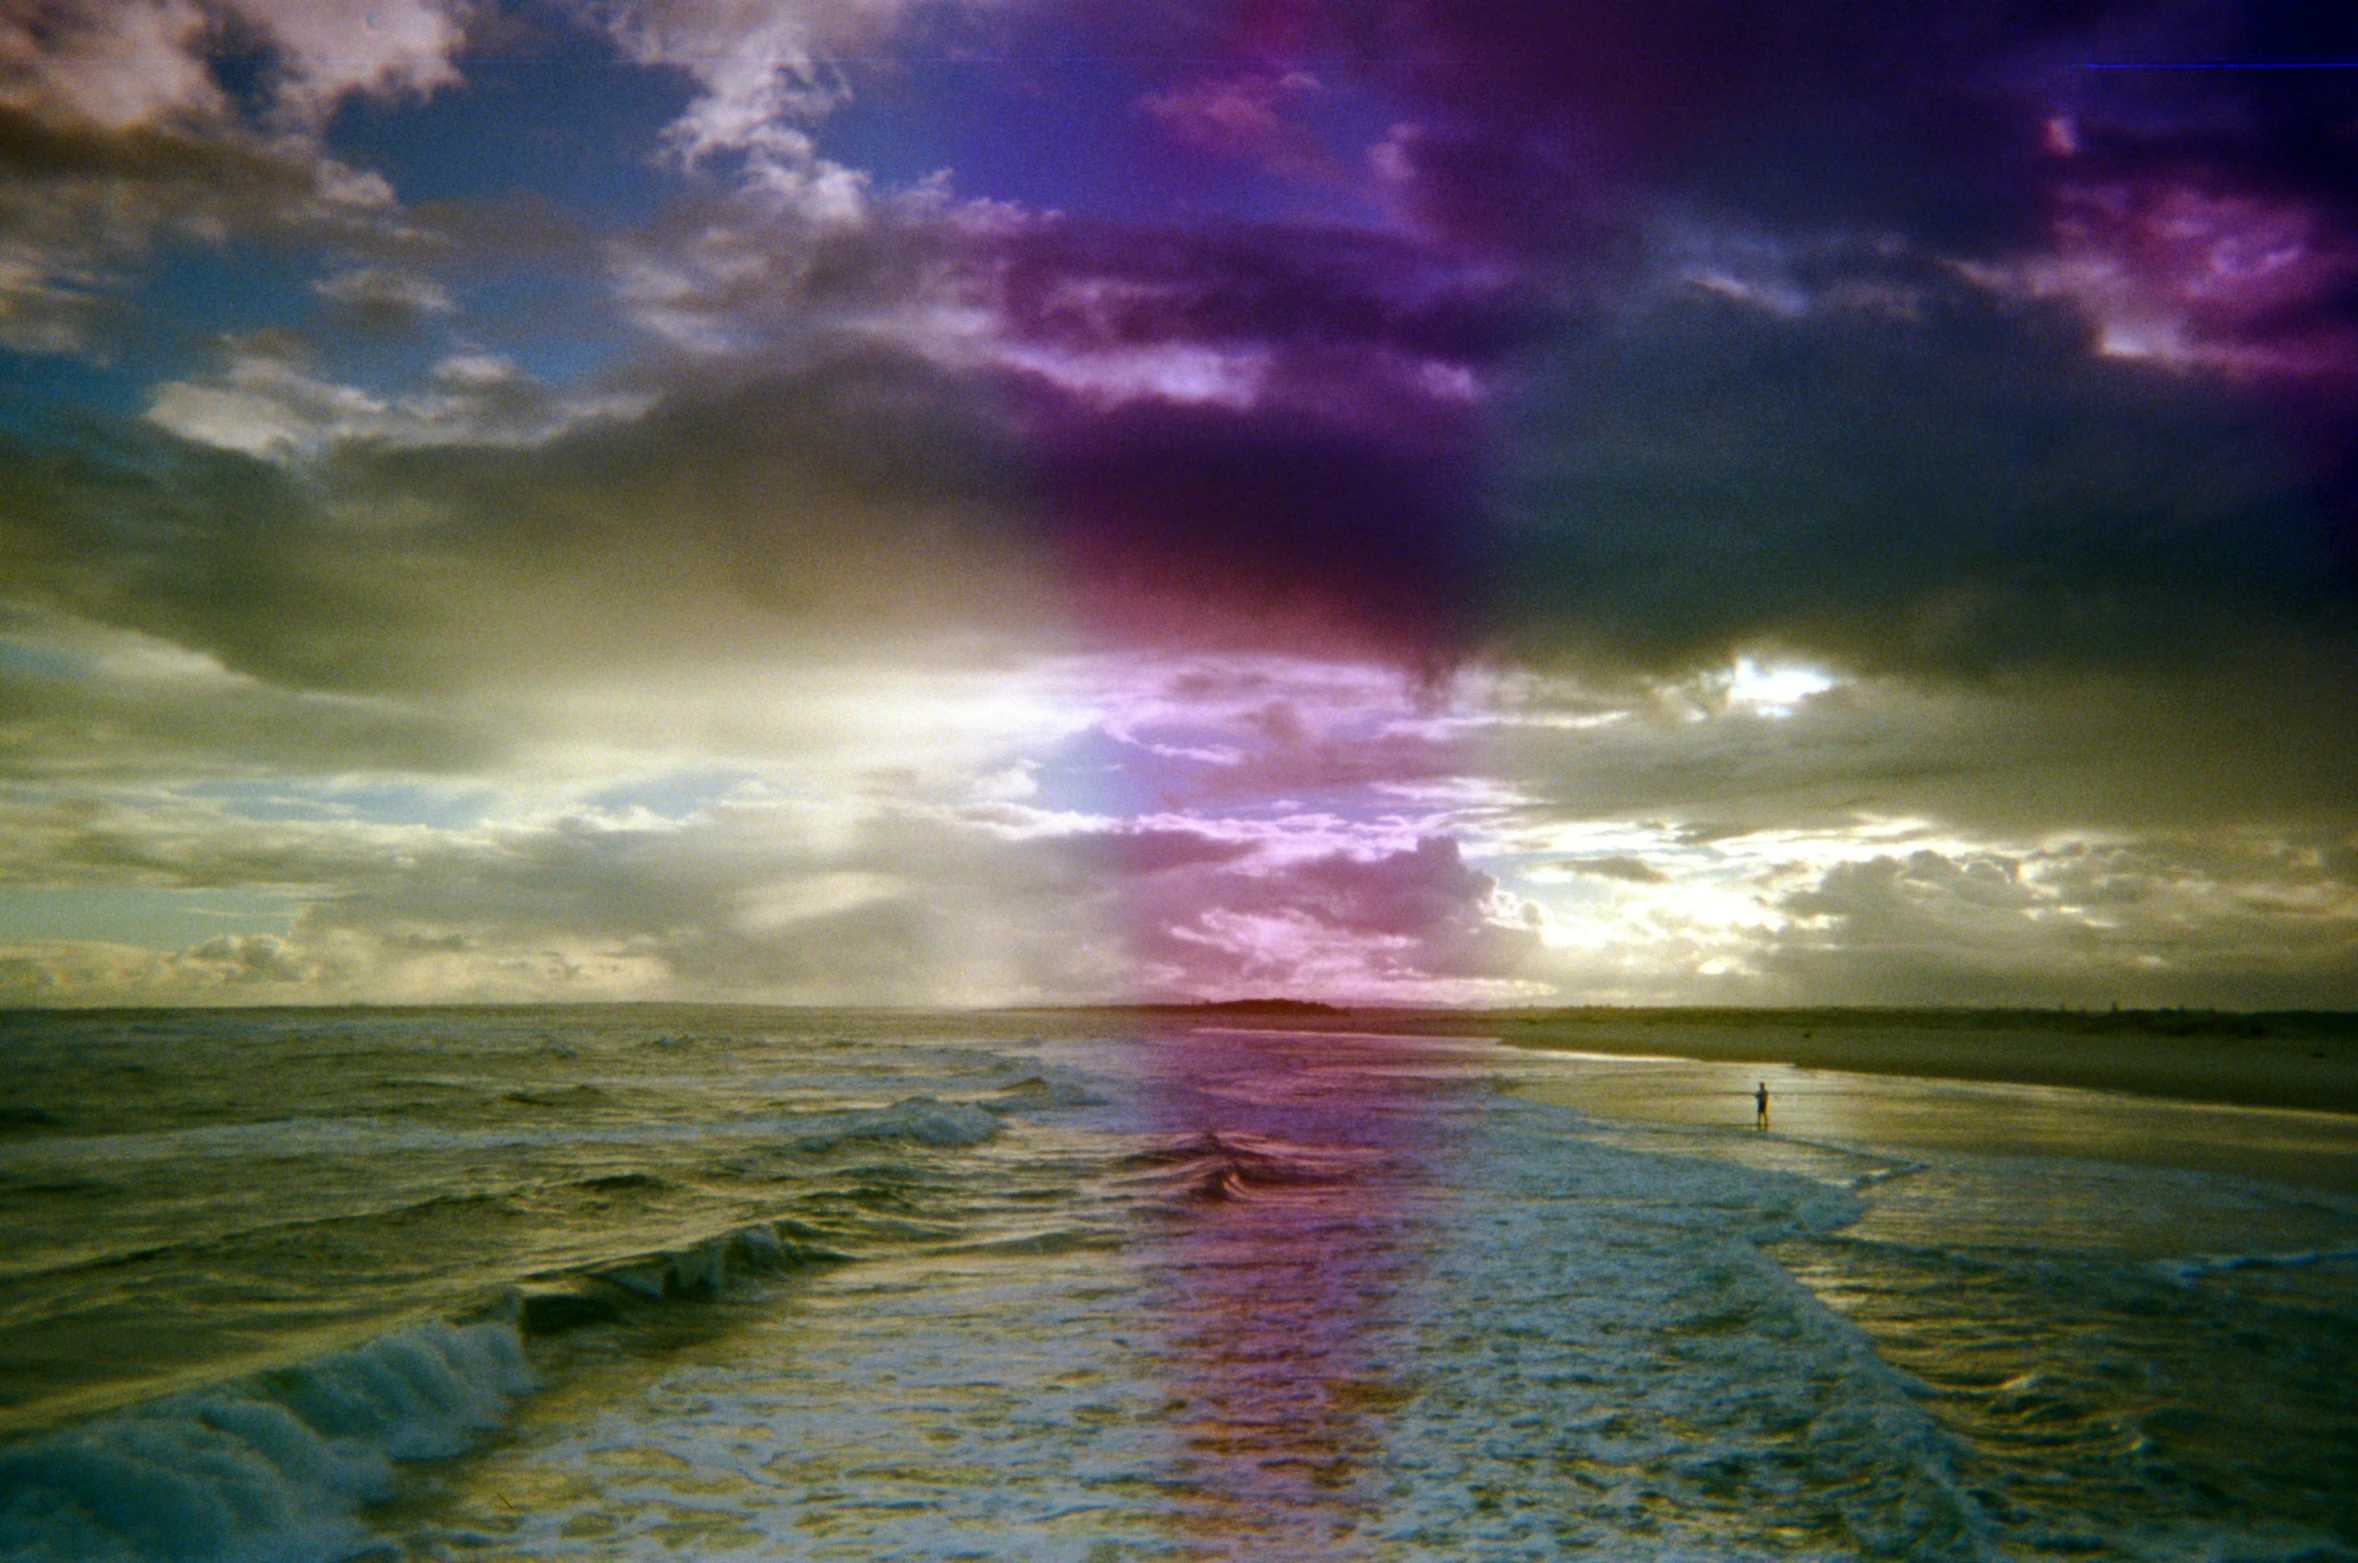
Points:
(1217, 1168)
(275, 1467)
(915, 1120)
(271, 1467)
(701, 1270)
(568, 1096)
(1036, 1093)
(1048, 1243)
(63, 1185)
(919, 1120)
(621, 1183)
(2194, 1269)
(224, 1242)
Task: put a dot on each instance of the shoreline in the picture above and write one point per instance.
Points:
(2302, 1060)
(2312, 1072)
(2297, 1059)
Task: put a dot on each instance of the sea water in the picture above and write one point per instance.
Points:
(702, 1283)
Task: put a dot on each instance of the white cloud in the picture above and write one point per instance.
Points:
(109, 64)
(333, 49)
(764, 73)
(264, 403)
(114, 65)
(45, 299)
(264, 406)
(2191, 278)
(385, 292)
(897, 834)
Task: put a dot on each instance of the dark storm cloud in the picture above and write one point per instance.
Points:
(1965, 493)
(854, 490)
(159, 727)
(404, 545)
(1097, 285)
(1548, 124)
(1897, 445)
(2279, 130)
(1316, 461)
(1958, 493)
(1892, 456)
(863, 484)
(1550, 121)
(1189, 509)
(2252, 739)
(212, 551)
(38, 154)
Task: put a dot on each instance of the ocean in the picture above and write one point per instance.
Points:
(701, 1283)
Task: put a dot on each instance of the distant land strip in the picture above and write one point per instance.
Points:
(2270, 1058)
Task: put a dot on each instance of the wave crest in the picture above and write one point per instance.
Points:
(268, 1468)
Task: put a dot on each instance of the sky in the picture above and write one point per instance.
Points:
(973, 502)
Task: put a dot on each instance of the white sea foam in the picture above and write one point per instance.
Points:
(273, 1467)
(1247, 1296)
(1695, 1400)
(1564, 1345)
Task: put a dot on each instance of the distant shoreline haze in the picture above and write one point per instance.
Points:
(2299, 1059)
(2278, 1058)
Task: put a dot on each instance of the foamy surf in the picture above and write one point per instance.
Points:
(271, 1468)
(863, 1288)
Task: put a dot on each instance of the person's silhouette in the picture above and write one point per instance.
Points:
(1760, 1105)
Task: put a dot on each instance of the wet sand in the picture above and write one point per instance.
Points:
(2296, 1061)
(1916, 1115)
(2273, 1097)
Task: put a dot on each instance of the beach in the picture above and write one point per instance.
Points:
(2303, 1064)
(621, 1282)
(2290, 1060)
(2106, 1086)
(2296, 1059)
(2122, 1085)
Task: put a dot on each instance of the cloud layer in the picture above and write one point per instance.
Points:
(1484, 502)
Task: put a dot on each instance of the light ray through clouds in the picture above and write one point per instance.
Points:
(1488, 502)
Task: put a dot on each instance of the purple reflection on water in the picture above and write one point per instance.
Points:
(1292, 1178)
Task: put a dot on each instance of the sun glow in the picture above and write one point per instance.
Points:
(1774, 689)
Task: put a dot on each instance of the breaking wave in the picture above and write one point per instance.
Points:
(1228, 1165)
(269, 1467)
(916, 1120)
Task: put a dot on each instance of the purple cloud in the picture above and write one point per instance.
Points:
(1412, 924)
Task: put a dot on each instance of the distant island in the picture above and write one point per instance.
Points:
(1271, 1008)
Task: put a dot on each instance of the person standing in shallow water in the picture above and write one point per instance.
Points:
(1760, 1106)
